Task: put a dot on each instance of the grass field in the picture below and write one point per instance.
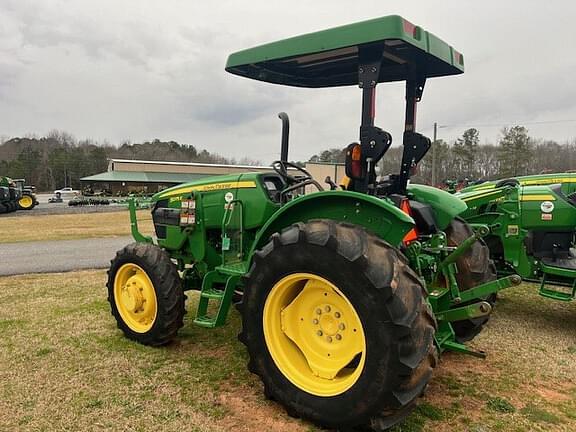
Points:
(71, 226)
(65, 367)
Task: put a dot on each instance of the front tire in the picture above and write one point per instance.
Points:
(337, 326)
(145, 294)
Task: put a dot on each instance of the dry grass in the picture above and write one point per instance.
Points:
(71, 226)
(65, 366)
(527, 382)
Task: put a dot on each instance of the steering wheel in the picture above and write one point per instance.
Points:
(281, 168)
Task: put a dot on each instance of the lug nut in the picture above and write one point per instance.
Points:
(341, 326)
(338, 337)
(315, 321)
(318, 311)
(329, 338)
(327, 308)
(319, 332)
(337, 314)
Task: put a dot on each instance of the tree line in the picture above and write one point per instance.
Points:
(515, 153)
(59, 159)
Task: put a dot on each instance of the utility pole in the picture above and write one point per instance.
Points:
(434, 154)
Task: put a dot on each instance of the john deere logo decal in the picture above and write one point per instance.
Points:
(547, 207)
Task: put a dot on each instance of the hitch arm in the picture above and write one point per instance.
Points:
(484, 290)
(482, 231)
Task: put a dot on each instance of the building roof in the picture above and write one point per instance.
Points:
(144, 177)
(208, 165)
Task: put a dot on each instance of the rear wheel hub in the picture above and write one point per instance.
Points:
(314, 334)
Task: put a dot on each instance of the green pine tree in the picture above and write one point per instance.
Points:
(514, 151)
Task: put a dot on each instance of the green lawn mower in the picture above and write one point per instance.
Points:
(347, 296)
(533, 226)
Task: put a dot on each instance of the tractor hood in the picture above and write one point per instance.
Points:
(531, 180)
(211, 183)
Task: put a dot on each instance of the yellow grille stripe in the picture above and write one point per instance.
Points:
(549, 181)
(538, 198)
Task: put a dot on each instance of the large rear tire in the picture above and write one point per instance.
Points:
(337, 326)
(474, 268)
(145, 294)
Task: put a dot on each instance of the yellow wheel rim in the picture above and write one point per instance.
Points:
(25, 201)
(314, 334)
(135, 297)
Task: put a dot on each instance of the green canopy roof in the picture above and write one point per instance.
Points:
(143, 177)
(329, 58)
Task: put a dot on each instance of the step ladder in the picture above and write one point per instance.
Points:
(217, 287)
(563, 284)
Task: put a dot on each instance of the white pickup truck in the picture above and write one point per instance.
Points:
(66, 193)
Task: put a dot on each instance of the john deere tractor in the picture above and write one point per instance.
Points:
(9, 195)
(533, 228)
(347, 296)
(27, 200)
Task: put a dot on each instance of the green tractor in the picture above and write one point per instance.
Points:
(347, 296)
(27, 200)
(9, 195)
(533, 228)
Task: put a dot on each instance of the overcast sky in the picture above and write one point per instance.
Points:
(141, 69)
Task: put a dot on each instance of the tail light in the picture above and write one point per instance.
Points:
(458, 58)
(412, 234)
(354, 168)
(410, 28)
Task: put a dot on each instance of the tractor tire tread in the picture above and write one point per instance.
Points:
(401, 293)
(168, 287)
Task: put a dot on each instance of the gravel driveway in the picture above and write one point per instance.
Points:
(58, 255)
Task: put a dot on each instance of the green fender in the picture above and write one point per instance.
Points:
(379, 216)
(445, 205)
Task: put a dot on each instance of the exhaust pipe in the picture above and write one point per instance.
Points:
(285, 132)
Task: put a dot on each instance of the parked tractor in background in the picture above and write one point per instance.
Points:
(27, 200)
(533, 228)
(347, 296)
(9, 195)
(454, 186)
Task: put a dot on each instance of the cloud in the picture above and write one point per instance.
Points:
(117, 69)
